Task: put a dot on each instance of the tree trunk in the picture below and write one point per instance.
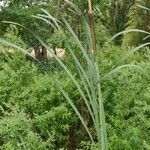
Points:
(37, 52)
(71, 140)
(119, 17)
(92, 27)
(44, 53)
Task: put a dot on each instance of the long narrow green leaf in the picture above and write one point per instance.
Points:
(128, 54)
(47, 21)
(78, 64)
(94, 87)
(85, 82)
(146, 37)
(104, 142)
(127, 31)
(78, 11)
(143, 7)
(75, 109)
(106, 76)
(51, 17)
(77, 40)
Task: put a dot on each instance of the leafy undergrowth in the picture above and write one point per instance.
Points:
(35, 115)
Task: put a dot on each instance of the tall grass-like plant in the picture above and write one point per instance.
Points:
(89, 77)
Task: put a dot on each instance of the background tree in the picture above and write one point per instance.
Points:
(114, 16)
(139, 19)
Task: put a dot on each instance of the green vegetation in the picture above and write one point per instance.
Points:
(96, 98)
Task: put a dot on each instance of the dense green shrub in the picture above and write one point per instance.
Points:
(36, 94)
(17, 132)
(33, 110)
(127, 99)
(12, 36)
(127, 109)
